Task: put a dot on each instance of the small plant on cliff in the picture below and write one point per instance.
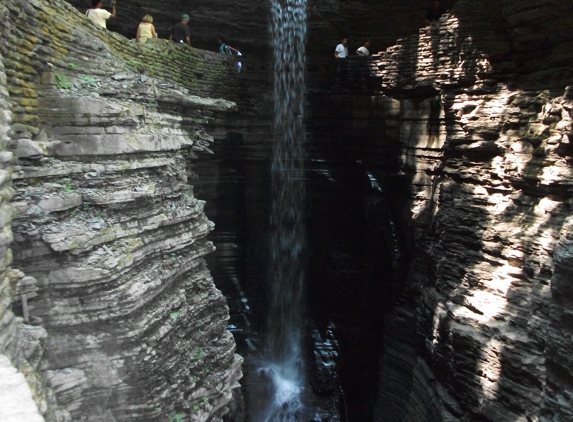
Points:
(73, 65)
(176, 417)
(87, 81)
(67, 185)
(205, 401)
(62, 82)
(174, 316)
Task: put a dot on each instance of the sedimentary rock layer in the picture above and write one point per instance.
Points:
(104, 132)
(485, 149)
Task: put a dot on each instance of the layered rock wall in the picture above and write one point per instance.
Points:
(485, 150)
(104, 135)
(21, 346)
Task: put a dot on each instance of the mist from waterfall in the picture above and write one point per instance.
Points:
(283, 361)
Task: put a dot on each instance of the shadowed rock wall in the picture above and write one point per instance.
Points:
(104, 134)
(245, 24)
(480, 332)
(464, 126)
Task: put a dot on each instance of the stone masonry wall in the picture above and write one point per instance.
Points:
(104, 133)
(481, 331)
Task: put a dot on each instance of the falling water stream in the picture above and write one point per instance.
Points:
(283, 361)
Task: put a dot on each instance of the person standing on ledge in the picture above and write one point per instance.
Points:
(227, 49)
(341, 51)
(223, 48)
(434, 13)
(363, 51)
(181, 32)
(99, 15)
(145, 29)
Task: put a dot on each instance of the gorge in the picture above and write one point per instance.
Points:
(437, 210)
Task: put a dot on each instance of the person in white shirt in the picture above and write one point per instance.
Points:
(99, 15)
(363, 51)
(341, 51)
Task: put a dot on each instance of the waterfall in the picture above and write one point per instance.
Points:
(284, 364)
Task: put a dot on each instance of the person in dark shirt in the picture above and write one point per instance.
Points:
(435, 12)
(181, 32)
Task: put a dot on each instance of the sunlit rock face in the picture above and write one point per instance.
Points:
(481, 331)
(103, 134)
(24, 394)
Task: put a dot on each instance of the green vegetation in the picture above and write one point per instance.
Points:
(176, 417)
(174, 316)
(62, 81)
(87, 81)
(72, 65)
(67, 185)
(199, 353)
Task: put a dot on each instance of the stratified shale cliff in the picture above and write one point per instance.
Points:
(440, 188)
(125, 322)
(480, 106)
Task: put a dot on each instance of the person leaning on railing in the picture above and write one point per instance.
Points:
(145, 29)
(181, 32)
(341, 51)
(99, 15)
(364, 50)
